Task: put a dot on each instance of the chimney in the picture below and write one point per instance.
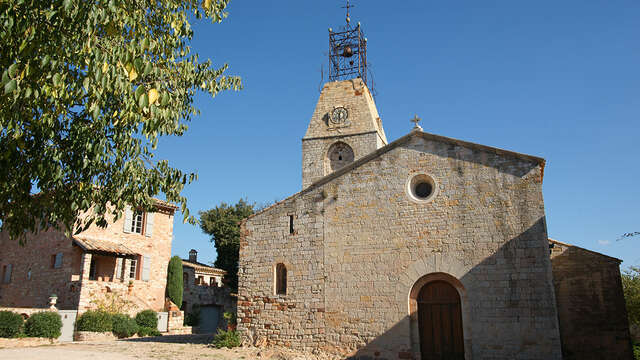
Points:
(193, 256)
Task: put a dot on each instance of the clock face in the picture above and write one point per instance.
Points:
(339, 115)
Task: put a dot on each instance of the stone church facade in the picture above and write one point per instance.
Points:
(425, 247)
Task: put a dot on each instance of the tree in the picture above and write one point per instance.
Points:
(631, 289)
(88, 89)
(174, 281)
(223, 224)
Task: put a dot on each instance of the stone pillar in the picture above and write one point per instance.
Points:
(85, 265)
(126, 263)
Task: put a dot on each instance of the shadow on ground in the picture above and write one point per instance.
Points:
(175, 339)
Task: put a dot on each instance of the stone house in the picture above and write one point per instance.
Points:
(126, 262)
(427, 247)
(206, 293)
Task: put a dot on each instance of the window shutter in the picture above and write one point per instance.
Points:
(128, 219)
(118, 274)
(58, 262)
(146, 267)
(148, 231)
(7, 275)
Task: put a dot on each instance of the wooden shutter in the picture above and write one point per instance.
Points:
(58, 262)
(146, 267)
(118, 274)
(128, 219)
(148, 231)
(7, 274)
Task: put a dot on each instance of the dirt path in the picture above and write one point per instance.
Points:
(183, 347)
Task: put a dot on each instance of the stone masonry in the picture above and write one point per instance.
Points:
(364, 133)
(34, 277)
(591, 306)
(361, 247)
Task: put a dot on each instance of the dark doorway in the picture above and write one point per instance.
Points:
(209, 319)
(440, 322)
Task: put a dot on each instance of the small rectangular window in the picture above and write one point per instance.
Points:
(57, 261)
(137, 222)
(281, 279)
(290, 224)
(6, 273)
(133, 269)
(92, 269)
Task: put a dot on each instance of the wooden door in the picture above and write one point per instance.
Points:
(440, 322)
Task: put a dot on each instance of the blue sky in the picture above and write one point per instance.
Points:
(556, 79)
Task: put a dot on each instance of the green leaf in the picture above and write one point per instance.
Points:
(5, 77)
(143, 102)
(10, 86)
(139, 91)
(147, 69)
(13, 70)
(67, 5)
(56, 79)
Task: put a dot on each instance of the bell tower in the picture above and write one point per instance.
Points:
(345, 125)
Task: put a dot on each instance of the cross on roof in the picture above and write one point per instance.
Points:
(348, 6)
(416, 120)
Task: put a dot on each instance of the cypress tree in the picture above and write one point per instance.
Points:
(174, 281)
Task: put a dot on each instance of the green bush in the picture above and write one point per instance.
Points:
(124, 326)
(636, 351)
(97, 321)
(192, 318)
(147, 331)
(228, 339)
(147, 318)
(174, 280)
(11, 324)
(46, 324)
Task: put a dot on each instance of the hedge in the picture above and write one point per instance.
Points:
(11, 324)
(97, 321)
(124, 326)
(147, 318)
(46, 324)
(147, 331)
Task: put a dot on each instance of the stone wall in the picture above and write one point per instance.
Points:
(591, 306)
(314, 153)
(35, 256)
(297, 318)
(361, 244)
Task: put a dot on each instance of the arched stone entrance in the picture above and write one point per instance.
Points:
(437, 314)
(440, 322)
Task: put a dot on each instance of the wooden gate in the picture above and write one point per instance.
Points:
(440, 322)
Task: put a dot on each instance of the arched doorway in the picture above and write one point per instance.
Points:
(440, 322)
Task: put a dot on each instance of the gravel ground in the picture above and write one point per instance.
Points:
(183, 347)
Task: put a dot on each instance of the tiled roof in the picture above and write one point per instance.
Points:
(94, 244)
(200, 267)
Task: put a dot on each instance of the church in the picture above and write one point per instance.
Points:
(426, 247)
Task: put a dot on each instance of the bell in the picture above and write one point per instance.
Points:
(347, 52)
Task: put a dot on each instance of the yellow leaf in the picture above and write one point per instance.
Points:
(105, 67)
(133, 74)
(153, 96)
(206, 4)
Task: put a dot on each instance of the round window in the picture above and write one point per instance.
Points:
(421, 188)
